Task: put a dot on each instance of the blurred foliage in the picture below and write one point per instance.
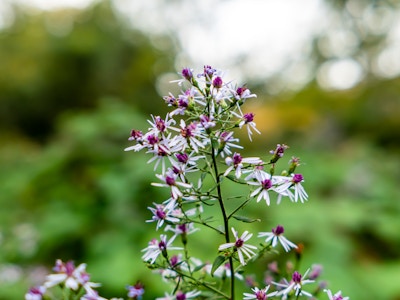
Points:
(73, 83)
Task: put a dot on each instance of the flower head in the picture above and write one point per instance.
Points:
(155, 248)
(240, 245)
(296, 285)
(135, 291)
(337, 296)
(259, 294)
(35, 293)
(275, 236)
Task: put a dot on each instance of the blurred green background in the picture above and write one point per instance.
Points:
(73, 82)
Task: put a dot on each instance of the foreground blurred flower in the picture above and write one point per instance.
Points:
(135, 291)
(35, 293)
(258, 294)
(337, 296)
(72, 277)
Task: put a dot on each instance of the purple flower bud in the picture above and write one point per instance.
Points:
(135, 134)
(182, 157)
(237, 159)
(187, 74)
(217, 82)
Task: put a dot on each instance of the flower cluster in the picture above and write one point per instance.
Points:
(195, 150)
(196, 154)
(74, 282)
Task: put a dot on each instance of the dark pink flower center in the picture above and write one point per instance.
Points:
(170, 180)
(237, 159)
(297, 178)
(239, 243)
(266, 184)
(180, 296)
(261, 295)
(296, 277)
(187, 74)
(248, 117)
(182, 157)
(160, 213)
(278, 230)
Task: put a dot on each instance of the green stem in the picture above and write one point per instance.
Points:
(224, 216)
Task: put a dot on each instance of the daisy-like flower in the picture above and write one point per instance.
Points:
(240, 246)
(135, 291)
(35, 293)
(337, 296)
(160, 126)
(163, 213)
(185, 163)
(287, 184)
(92, 295)
(170, 181)
(247, 120)
(259, 294)
(191, 136)
(265, 183)
(156, 248)
(226, 141)
(180, 295)
(277, 236)
(296, 285)
(207, 122)
(182, 229)
(242, 93)
(236, 163)
(72, 277)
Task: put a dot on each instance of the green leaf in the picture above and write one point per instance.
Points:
(217, 262)
(246, 219)
(199, 268)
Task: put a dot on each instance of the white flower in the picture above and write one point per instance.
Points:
(240, 246)
(170, 181)
(236, 163)
(226, 141)
(259, 294)
(155, 248)
(287, 184)
(265, 183)
(72, 277)
(247, 119)
(162, 213)
(337, 296)
(296, 285)
(35, 293)
(276, 236)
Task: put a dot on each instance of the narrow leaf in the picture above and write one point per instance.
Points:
(246, 219)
